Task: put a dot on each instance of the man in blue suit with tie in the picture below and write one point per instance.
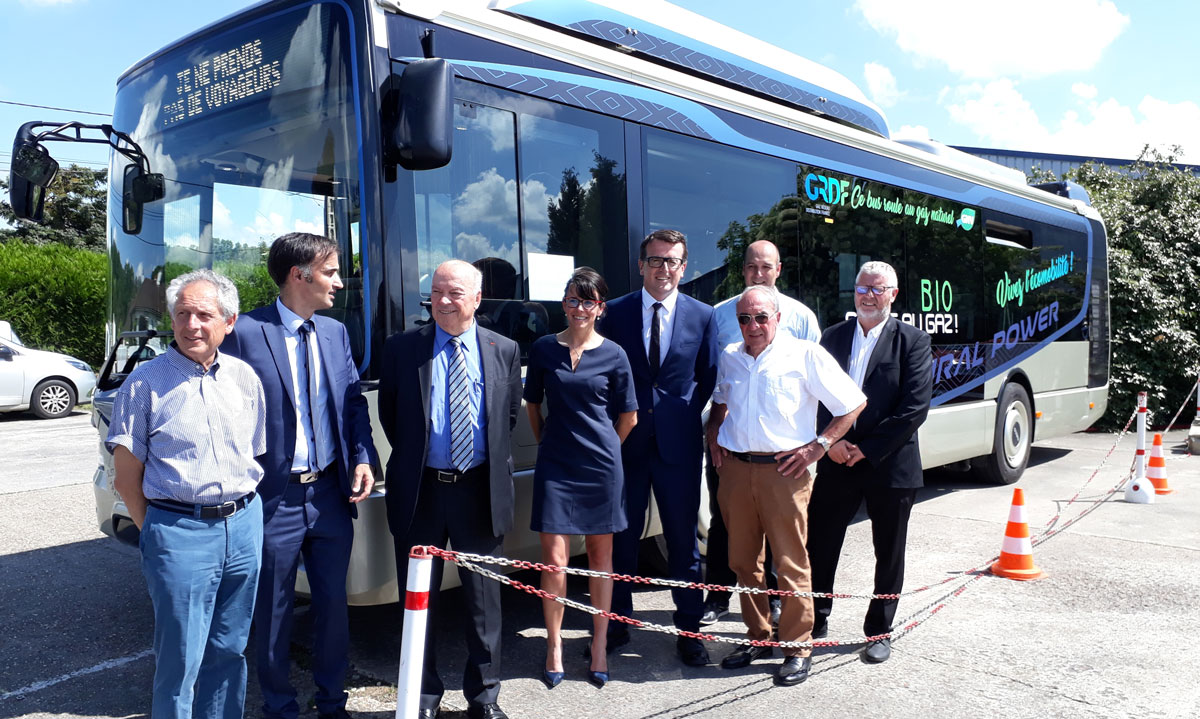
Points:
(671, 341)
(317, 467)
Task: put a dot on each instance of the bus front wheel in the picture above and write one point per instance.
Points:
(1014, 436)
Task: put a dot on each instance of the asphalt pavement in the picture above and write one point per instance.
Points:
(1105, 634)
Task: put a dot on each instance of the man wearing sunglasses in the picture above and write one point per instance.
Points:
(878, 460)
(760, 266)
(671, 341)
(762, 438)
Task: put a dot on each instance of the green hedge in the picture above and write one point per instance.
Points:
(54, 296)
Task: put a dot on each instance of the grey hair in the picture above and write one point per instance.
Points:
(767, 290)
(471, 270)
(227, 294)
(875, 267)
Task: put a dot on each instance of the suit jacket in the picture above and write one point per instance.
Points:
(669, 407)
(898, 384)
(404, 415)
(258, 339)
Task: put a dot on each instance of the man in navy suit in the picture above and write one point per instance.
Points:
(671, 341)
(449, 395)
(317, 467)
(878, 460)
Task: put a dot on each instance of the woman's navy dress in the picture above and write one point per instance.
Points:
(578, 486)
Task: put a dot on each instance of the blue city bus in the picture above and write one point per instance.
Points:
(534, 136)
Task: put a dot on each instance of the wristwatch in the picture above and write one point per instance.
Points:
(825, 442)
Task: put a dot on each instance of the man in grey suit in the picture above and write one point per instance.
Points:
(449, 394)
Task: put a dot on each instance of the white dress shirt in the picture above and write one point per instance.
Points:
(306, 439)
(862, 348)
(772, 399)
(666, 322)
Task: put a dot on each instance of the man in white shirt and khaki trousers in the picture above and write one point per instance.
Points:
(761, 433)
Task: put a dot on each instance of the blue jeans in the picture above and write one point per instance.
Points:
(202, 575)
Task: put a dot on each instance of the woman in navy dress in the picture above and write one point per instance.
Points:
(578, 486)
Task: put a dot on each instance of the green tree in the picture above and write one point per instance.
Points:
(75, 211)
(1152, 214)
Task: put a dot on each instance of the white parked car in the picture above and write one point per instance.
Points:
(48, 383)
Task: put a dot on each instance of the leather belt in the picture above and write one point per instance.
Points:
(450, 476)
(305, 477)
(204, 511)
(753, 458)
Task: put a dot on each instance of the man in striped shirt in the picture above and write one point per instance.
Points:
(186, 428)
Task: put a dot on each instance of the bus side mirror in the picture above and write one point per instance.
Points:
(32, 172)
(423, 138)
(139, 188)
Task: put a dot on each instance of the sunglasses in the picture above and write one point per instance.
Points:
(575, 303)
(877, 291)
(761, 318)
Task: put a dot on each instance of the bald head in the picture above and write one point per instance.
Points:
(761, 265)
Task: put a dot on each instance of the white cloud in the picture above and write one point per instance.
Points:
(881, 84)
(491, 201)
(46, 3)
(1000, 116)
(987, 40)
(911, 132)
(1084, 90)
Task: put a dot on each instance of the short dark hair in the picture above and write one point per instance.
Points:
(588, 284)
(675, 237)
(297, 249)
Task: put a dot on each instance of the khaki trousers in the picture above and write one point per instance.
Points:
(756, 502)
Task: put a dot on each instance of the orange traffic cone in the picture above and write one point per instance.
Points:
(1016, 555)
(1156, 468)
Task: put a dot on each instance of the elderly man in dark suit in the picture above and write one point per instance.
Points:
(878, 460)
(449, 394)
(671, 341)
(318, 467)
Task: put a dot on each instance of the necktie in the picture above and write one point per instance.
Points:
(316, 419)
(653, 354)
(461, 436)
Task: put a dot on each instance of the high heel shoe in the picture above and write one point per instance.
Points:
(551, 679)
(598, 678)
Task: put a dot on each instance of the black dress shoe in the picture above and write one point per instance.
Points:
(793, 671)
(486, 711)
(616, 640)
(427, 713)
(820, 631)
(551, 679)
(599, 679)
(692, 652)
(742, 656)
(878, 651)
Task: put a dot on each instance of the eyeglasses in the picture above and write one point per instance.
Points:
(574, 303)
(877, 291)
(672, 263)
(761, 318)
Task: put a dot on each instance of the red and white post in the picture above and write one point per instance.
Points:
(1138, 490)
(412, 645)
(1140, 469)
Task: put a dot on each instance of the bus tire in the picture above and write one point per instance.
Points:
(1013, 438)
(52, 399)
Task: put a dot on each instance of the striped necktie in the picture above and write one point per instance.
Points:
(457, 389)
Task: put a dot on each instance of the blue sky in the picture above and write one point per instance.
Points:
(1089, 77)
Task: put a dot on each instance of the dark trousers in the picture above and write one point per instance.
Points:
(716, 560)
(835, 500)
(677, 493)
(461, 513)
(312, 520)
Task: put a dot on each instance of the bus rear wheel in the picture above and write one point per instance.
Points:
(1013, 439)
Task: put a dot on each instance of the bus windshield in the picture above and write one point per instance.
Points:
(255, 131)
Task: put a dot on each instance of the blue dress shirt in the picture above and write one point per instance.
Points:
(439, 409)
